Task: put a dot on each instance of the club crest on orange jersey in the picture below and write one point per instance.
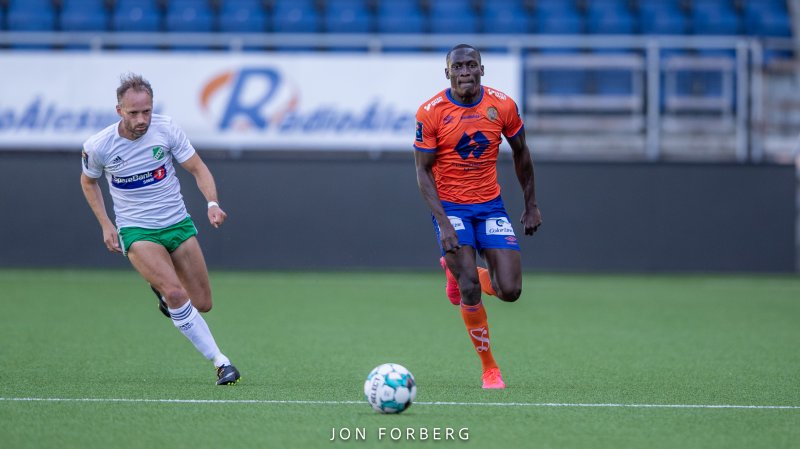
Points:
(491, 112)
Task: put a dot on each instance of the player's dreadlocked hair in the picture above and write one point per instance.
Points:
(132, 81)
(460, 46)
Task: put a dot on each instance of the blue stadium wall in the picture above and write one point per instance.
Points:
(351, 212)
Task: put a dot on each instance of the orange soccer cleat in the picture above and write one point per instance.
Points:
(492, 379)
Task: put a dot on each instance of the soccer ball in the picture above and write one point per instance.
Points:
(390, 388)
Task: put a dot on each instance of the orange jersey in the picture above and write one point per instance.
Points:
(466, 139)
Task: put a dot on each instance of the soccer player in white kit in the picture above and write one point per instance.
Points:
(153, 228)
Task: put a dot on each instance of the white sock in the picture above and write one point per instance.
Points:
(191, 324)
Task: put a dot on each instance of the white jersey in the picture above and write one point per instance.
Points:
(140, 174)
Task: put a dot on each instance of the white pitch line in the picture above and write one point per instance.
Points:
(555, 404)
(464, 404)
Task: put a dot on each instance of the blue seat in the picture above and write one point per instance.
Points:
(189, 16)
(665, 25)
(558, 25)
(31, 15)
(770, 7)
(295, 16)
(84, 15)
(672, 6)
(699, 84)
(555, 5)
(562, 82)
(558, 17)
(768, 19)
(609, 17)
(661, 17)
(506, 16)
(242, 16)
(611, 25)
(611, 82)
(713, 17)
(706, 84)
(452, 17)
(400, 16)
(138, 16)
(30, 5)
(773, 25)
(348, 16)
(134, 15)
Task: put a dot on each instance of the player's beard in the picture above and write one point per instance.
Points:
(138, 132)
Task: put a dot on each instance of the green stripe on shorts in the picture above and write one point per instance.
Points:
(170, 237)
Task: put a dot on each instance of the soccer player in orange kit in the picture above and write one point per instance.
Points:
(459, 131)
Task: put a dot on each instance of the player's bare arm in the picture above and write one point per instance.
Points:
(427, 186)
(523, 165)
(91, 190)
(205, 182)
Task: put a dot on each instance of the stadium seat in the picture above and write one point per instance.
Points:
(347, 16)
(31, 15)
(137, 16)
(400, 16)
(188, 16)
(699, 84)
(714, 17)
(134, 15)
(610, 82)
(661, 17)
(609, 17)
(562, 82)
(242, 16)
(774, 26)
(295, 16)
(558, 17)
(770, 6)
(767, 18)
(506, 17)
(83, 15)
(452, 17)
(551, 5)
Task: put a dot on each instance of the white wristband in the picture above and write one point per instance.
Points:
(212, 204)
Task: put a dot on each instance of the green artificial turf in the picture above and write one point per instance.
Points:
(591, 361)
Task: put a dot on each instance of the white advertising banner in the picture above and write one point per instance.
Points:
(258, 101)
